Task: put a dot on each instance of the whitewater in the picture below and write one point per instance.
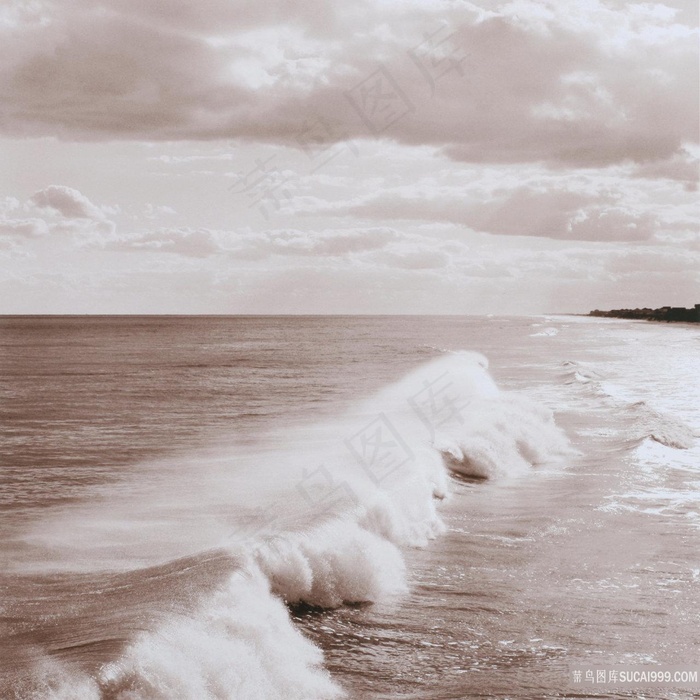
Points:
(324, 508)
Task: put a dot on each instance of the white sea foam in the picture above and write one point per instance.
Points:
(238, 644)
(334, 507)
(549, 332)
(645, 421)
(338, 562)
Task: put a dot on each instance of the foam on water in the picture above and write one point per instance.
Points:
(645, 421)
(549, 332)
(239, 643)
(315, 514)
(656, 430)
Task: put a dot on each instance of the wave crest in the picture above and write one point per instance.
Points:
(340, 540)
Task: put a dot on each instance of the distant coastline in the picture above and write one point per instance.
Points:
(678, 314)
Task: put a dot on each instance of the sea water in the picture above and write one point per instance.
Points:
(362, 507)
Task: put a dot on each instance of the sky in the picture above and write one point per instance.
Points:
(325, 156)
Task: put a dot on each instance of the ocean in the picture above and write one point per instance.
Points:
(377, 508)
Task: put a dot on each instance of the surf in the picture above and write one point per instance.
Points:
(311, 514)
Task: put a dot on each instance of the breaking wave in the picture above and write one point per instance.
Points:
(315, 515)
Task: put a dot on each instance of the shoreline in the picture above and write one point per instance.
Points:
(668, 314)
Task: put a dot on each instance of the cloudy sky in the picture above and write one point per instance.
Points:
(325, 156)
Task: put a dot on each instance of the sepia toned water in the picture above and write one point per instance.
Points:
(319, 507)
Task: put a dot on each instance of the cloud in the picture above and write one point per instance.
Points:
(682, 166)
(562, 82)
(413, 259)
(196, 243)
(250, 245)
(9, 205)
(564, 214)
(327, 243)
(484, 276)
(566, 208)
(647, 261)
(154, 212)
(23, 228)
(56, 209)
(67, 202)
(63, 210)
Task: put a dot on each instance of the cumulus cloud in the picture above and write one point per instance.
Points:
(9, 205)
(563, 82)
(23, 227)
(67, 202)
(154, 212)
(55, 209)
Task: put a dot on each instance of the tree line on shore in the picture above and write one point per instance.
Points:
(665, 313)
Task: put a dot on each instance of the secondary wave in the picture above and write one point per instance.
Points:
(644, 421)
